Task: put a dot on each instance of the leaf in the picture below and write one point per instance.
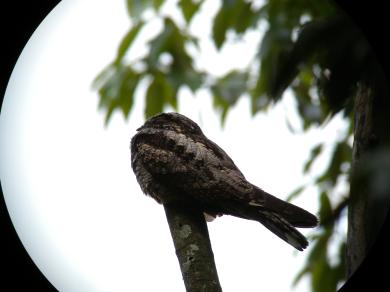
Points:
(127, 87)
(109, 111)
(157, 4)
(101, 78)
(340, 268)
(245, 17)
(194, 79)
(189, 8)
(171, 40)
(341, 153)
(158, 93)
(236, 15)
(159, 44)
(127, 41)
(290, 127)
(228, 89)
(316, 261)
(220, 26)
(259, 98)
(320, 276)
(315, 152)
(295, 193)
(116, 89)
(324, 276)
(135, 8)
(274, 43)
(300, 275)
(325, 206)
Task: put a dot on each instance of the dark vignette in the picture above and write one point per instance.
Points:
(19, 273)
(18, 269)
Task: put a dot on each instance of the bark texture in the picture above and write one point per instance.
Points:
(193, 248)
(370, 186)
(357, 209)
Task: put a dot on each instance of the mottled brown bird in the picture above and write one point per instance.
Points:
(175, 162)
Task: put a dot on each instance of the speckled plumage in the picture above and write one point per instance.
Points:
(175, 162)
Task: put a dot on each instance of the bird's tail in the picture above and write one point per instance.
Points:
(294, 215)
(281, 217)
(282, 228)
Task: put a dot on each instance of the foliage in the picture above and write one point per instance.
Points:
(308, 46)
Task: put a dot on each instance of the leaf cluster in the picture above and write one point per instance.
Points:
(324, 275)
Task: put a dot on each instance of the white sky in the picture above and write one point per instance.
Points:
(69, 186)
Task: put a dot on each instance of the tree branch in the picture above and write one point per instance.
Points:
(193, 248)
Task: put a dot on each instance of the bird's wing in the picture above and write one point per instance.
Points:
(193, 165)
(201, 170)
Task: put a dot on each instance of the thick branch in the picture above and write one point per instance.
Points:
(193, 248)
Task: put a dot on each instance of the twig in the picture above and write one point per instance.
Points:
(335, 214)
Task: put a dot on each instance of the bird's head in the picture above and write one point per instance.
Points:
(172, 121)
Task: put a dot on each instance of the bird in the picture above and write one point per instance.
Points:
(174, 162)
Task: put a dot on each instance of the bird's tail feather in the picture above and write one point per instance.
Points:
(295, 215)
(282, 228)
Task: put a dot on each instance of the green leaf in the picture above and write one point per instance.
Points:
(244, 16)
(189, 8)
(342, 153)
(260, 100)
(230, 87)
(271, 53)
(158, 93)
(101, 78)
(320, 276)
(127, 41)
(295, 193)
(290, 127)
(300, 275)
(109, 111)
(220, 26)
(116, 89)
(194, 79)
(324, 276)
(127, 88)
(227, 90)
(159, 45)
(171, 41)
(315, 152)
(325, 206)
(340, 269)
(317, 265)
(135, 8)
(236, 15)
(157, 4)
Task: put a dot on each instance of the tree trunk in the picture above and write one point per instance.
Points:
(356, 238)
(370, 186)
(193, 248)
